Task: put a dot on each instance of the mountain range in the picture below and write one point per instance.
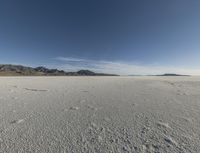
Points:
(19, 70)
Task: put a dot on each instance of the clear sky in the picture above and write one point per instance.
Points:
(117, 36)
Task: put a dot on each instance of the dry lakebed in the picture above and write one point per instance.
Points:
(100, 114)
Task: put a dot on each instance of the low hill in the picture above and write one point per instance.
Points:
(171, 74)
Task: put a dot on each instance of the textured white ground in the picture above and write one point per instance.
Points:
(100, 114)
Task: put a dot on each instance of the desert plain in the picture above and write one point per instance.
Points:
(100, 114)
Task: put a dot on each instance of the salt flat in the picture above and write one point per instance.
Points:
(100, 114)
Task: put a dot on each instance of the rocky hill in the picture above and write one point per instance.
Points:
(19, 70)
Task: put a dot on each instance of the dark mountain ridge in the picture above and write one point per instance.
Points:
(19, 70)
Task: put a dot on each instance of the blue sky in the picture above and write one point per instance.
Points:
(116, 36)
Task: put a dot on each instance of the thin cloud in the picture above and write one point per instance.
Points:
(70, 59)
(118, 67)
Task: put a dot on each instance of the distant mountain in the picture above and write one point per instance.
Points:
(166, 74)
(86, 72)
(171, 74)
(19, 70)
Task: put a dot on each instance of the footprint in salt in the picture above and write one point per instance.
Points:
(170, 141)
(15, 98)
(65, 110)
(85, 91)
(91, 107)
(74, 108)
(107, 119)
(94, 125)
(42, 90)
(187, 119)
(20, 121)
(165, 125)
(134, 104)
(11, 90)
(17, 121)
